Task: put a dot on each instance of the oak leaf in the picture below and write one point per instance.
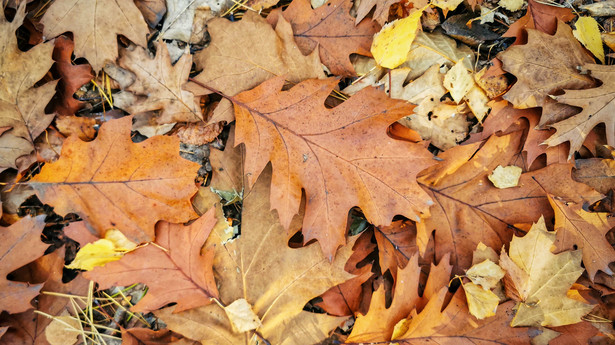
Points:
(173, 270)
(265, 53)
(20, 244)
(332, 30)
(537, 80)
(336, 155)
(577, 228)
(95, 26)
(597, 103)
(111, 180)
(28, 328)
(275, 280)
(541, 17)
(145, 336)
(22, 107)
(469, 209)
(72, 77)
(381, 12)
(539, 280)
(596, 173)
(183, 14)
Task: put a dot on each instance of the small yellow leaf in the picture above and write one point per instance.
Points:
(446, 5)
(400, 328)
(486, 274)
(505, 177)
(481, 303)
(109, 249)
(391, 45)
(242, 316)
(458, 81)
(588, 33)
(512, 5)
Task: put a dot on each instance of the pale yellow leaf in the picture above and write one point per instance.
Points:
(477, 101)
(458, 81)
(108, 249)
(392, 44)
(486, 274)
(63, 330)
(512, 5)
(505, 177)
(242, 316)
(481, 303)
(446, 5)
(588, 33)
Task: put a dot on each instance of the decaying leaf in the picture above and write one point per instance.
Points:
(173, 268)
(539, 280)
(335, 155)
(109, 181)
(95, 26)
(20, 244)
(275, 280)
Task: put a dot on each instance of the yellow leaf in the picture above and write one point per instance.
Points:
(111, 248)
(400, 328)
(505, 177)
(588, 33)
(392, 44)
(486, 274)
(458, 81)
(242, 316)
(477, 101)
(446, 5)
(481, 303)
(512, 5)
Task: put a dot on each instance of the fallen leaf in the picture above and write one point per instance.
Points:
(481, 303)
(313, 154)
(539, 280)
(596, 173)
(62, 330)
(21, 244)
(152, 10)
(109, 181)
(72, 77)
(145, 336)
(102, 251)
(446, 5)
(588, 33)
(396, 245)
(596, 103)
(82, 127)
(200, 133)
(180, 16)
(381, 12)
(95, 26)
(541, 17)
(392, 43)
(266, 53)
(577, 228)
(22, 106)
(242, 316)
(505, 177)
(332, 29)
(444, 125)
(458, 81)
(512, 5)
(486, 274)
(250, 267)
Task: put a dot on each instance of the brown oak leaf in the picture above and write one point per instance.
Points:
(20, 244)
(331, 29)
(72, 77)
(22, 107)
(95, 26)
(159, 85)
(596, 172)
(577, 228)
(264, 53)
(275, 280)
(598, 105)
(543, 69)
(381, 13)
(145, 336)
(111, 180)
(173, 270)
(340, 157)
(541, 17)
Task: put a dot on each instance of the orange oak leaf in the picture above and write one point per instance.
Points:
(577, 228)
(22, 107)
(95, 26)
(110, 181)
(468, 208)
(20, 244)
(173, 270)
(340, 157)
(332, 30)
(598, 105)
(537, 80)
(541, 17)
(72, 77)
(28, 328)
(396, 245)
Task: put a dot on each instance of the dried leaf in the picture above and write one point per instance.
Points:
(541, 17)
(181, 15)
(505, 177)
(458, 81)
(110, 180)
(392, 43)
(486, 274)
(72, 77)
(588, 33)
(102, 251)
(481, 303)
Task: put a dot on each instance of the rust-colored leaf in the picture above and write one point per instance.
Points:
(72, 76)
(341, 157)
(110, 181)
(541, 17)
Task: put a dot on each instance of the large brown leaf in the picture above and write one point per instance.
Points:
(541, 17)
(158, 85)
(598, 106)
(330, 28)
(22, 108)
(72, 76)
(544, 68)
(95, 26)
(110, 181)
(469, 209)
(245, 53)
(275, 280)
(173, 270)
(20, 244)
(340, 157)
